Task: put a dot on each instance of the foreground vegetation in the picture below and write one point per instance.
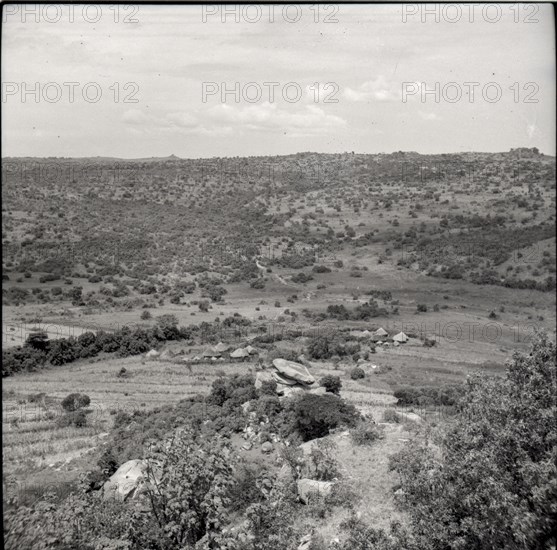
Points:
(492, 464)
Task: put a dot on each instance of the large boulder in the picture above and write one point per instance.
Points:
(126, 482)
(310, 488)
(293, 371)
(280, 379)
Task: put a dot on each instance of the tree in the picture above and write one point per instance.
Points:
(168, 324)
(319, 348)
(493, 483)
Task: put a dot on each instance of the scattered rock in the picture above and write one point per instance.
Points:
(309, 488)
(305, 542)
(267, 447)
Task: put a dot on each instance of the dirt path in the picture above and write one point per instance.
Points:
(276, 276)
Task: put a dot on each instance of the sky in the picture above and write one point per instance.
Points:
(196, 81)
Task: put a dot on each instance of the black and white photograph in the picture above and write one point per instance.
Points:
(279, 276)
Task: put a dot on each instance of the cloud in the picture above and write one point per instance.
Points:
(378, 89)
(269, 116)
(428, 116)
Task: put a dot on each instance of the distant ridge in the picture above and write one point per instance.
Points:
(526, 152)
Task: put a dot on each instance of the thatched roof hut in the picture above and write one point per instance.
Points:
(211, 352)
(239, 353)
(222, 347)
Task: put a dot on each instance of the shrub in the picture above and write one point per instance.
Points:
(424, 396)
(245, 489)
(357, 373)
(421, 308)
(320, 269)
(62, 351)
(321, 347)
(22, 359)
(390, 415)
(301, 278)
(191, 496)
(365, 433)
(331, 383)
(258, 283)
(77, 418)
(145, 315)
(314, 415)
(75, 401)
(168, 325)
(324, 466)
(234, 390)
(38, 340)
(268, 387)
(269, 406)
(123, 373)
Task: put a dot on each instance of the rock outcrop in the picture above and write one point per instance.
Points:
(293, 371)
(291, 377)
